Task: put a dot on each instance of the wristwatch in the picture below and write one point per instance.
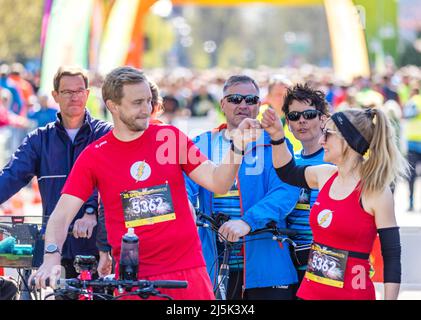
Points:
(277, 142)
(51, 248)
(90, 210)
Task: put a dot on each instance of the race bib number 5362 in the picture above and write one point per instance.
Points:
(327, 265)
(147, 206)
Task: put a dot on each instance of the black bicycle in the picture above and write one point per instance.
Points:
(107, 288)
(206, 221)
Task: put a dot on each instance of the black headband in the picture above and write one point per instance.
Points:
(351, 135)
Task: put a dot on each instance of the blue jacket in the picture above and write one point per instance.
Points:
(49, 154)
(16, 103)
(263, 198)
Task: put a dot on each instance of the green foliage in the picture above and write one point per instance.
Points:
(160, 36)
(20, 29)
(381, 19)
(410, 55)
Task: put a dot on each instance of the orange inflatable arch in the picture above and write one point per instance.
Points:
(349, 51)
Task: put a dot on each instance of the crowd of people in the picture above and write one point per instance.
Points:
(188, 95)
(296, 147)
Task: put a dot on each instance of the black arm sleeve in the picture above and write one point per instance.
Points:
(293, 174)
(391, 252)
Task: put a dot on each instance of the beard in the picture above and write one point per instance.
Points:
(133, 124)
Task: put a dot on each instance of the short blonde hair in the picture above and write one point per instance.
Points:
(70, 71)
(112, 89)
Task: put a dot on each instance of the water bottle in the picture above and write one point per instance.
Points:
(129, 256)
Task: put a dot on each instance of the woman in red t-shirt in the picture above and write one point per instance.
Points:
(354, 203)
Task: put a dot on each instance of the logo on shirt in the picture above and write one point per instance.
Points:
(100, 145)
(324, 219)
(140, 171)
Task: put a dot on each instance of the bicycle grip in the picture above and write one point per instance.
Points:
(287, 232)
(170, 284)
(47, 282)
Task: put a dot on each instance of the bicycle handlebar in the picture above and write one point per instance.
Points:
(271, 227)
(275, 231)
(108, 283)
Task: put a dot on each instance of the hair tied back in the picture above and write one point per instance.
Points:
(370, 113)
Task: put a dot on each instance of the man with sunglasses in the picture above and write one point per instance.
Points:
(259, 268)
(306, 111)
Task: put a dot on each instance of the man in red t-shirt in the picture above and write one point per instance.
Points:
(138, 170)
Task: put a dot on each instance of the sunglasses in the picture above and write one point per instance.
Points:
(237, 98)
(307, 114)
(327, 132)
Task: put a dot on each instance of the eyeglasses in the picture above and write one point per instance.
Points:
(70, 93)
(307, 114)
(327, 132)
(237, 98)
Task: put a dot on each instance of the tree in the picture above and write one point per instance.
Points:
(20, 29)
(410, 54)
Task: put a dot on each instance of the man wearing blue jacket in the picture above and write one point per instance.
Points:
(262, 268)
(49, 154)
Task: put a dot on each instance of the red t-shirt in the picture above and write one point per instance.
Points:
(342, 224)
(157, 158)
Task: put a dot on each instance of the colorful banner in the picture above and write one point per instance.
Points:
(136, 48)
(97, 27)
(45, 20)
(121, 40)
(117, 35)
(67, 39)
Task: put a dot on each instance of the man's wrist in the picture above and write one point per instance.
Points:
(247, 222)
(52, 258)
(277, 136)
(105, 254)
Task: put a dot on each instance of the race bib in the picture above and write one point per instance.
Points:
(327, 265)
(303, 202)
(233, 192)
(229, 194)
(147, 206)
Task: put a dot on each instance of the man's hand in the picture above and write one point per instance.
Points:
(233, 230)
(84, 227)
(272, 124)
(105, 264)
(247, 131)
(50, 269)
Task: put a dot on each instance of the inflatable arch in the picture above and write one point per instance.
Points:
(73, 28)
(349, 52)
